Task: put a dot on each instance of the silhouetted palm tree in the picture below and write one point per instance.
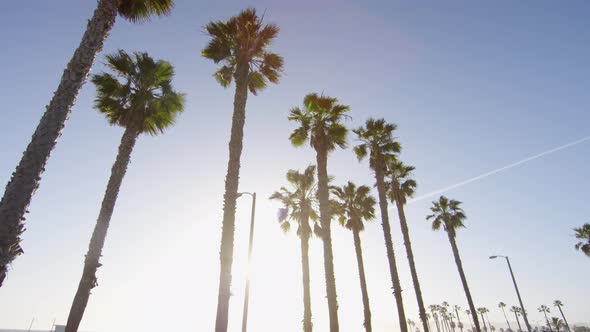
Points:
(320, 123)
(300, 206)
(583, 233)
(138, 97)
(448, 214)
(559, 304)
(557, 323)
(240, 45)
(376, 140)
(400, 186)
(26, 178)
(502, 305)
(545, 310)
(356, 205)
(516, 311)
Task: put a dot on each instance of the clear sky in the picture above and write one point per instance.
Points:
(473, 86)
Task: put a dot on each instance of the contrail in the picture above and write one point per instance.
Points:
(485, 175)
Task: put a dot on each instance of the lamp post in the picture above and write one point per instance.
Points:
(247, 291)
(526, 321)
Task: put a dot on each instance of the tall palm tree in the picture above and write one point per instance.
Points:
(299, 207)
(356, 205)
(545, 310)
(376, 140)
(459, 324)
(434, 310)
(557, 323)
(26, 178)
(583, 233)
(516, 311)
(559, 304)
(401, 186)
(320, 123)
(448, 214)
(240, 46)
(502, 305)
(139, 97)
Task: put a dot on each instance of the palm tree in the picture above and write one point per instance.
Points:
(481, 312)
(26, 178)
(545, 310)
(502, 305)
(583, 233)
(516, 311)
(138, 97)
(445, 311)
(320, 124)
(400, 187)
(558, 323)
(240, 45)
(376, 140)
(559, 304)
(448, 214)
(356, 205)
(428, 316)
(434, 309)
(299, 206)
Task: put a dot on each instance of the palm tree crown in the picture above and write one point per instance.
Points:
(241, 43)
(320, 122)
(354, 205)
(583, 233)
(447, 213)
(399, 179)
(141, 10)
(299, 203)
(376, 139)
(139, 95)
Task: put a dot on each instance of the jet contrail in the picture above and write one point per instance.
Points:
(485, 175)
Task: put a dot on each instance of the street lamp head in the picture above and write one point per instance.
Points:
(492, 257)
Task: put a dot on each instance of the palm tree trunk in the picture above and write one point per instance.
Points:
(563, 316)
(547, 320)
(488, 318)
(305, 234)
(459, 319)
(565, 320)
(485, 328)
(518, 322)
(232, 179)
(397, 290)
(436, 323)
(25, 180)
(464, 280)
(91, 262)
(507, 322)
(410, 254)
(325, 218)
(361, 267)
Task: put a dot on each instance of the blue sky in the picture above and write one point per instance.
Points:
(473, 87)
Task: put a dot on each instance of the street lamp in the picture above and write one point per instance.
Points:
(526, 321)
(247, 291)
